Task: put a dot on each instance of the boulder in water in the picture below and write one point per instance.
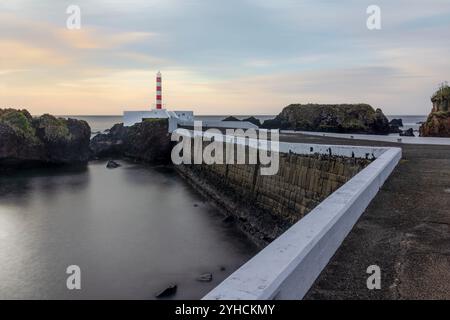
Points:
(112, 164)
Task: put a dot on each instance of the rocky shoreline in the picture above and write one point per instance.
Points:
(338, 118)
(28, 141)
(438, 121)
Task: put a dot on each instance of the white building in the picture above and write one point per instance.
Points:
(132, 117)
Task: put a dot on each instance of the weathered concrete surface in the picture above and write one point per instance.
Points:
(405, 231)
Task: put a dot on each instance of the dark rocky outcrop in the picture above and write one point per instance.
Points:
(253, 120)
(231, 118)
(438, 121)
(407, 133)
(109, 144)
(45, 140)
(394, 126)
(341, 118)
(148, 141)
(396, 123)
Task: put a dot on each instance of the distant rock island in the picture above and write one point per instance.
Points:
(45, 140)
(438, 121)
(340, 118)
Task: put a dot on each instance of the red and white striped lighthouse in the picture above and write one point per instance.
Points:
(158, 91)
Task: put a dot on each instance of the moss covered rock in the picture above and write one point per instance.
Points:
(148, 141)
(438, 121)
(341, 118)
(25, 140)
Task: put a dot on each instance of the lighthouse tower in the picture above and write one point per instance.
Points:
(132, 117)
(158, 91)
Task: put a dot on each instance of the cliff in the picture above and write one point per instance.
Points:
(342, 118)
(44, 140)
(438, 121)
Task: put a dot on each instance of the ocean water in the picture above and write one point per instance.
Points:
(101, 123)
(410, 121)
(132, 231)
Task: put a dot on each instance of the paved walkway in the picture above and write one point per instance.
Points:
(372, 137)
(405, 231)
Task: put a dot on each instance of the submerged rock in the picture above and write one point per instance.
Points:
(341, 118)
(438, 121)
(206, 277)
(112, 164)
(44, 140)
(170, 290)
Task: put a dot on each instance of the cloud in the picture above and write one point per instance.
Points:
(16, 54)
(91, 38)
(222, 56)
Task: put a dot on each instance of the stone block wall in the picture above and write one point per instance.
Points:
(265, 206)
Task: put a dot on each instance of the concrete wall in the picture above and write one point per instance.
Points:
(288, 266)
(266, 205)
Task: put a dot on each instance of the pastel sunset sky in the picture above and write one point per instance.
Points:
(221, 57)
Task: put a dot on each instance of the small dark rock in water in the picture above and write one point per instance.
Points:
(167, 292)
(112, 164)
(206, 277)
(407, 133)
(254, 121)
(231, 118)
(228, 219)
(396, 122)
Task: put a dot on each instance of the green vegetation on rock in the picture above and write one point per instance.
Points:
(18, 120)
(53, 128)
(44, 139)
(344, 118)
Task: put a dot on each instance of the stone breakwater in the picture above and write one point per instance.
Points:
(266, 206)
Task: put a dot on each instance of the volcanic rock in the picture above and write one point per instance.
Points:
(341, 118)
(253, 120)
(112, 164)
(407, 133)
(44, 140)
(438, 121)
(147, 141)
